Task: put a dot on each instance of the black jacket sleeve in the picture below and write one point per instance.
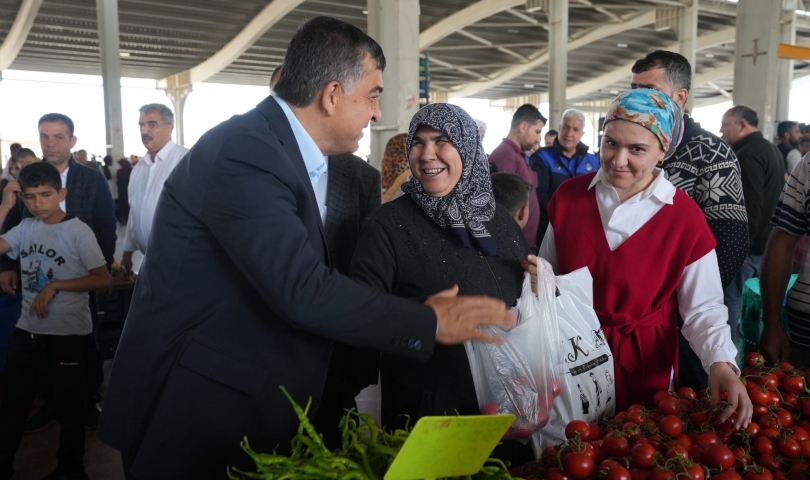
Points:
(104, 218)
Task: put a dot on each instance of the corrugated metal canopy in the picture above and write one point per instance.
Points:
(160, 38)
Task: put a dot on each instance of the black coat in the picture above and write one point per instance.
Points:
(403, 251)
(235, 298)
(352, 193)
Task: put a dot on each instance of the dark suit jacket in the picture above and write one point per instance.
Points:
(353, 191)
(89, 199)
(234, 299)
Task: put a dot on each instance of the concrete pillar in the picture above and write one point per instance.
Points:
(558, 59)
(756, 59)
(178, 95)
(785, 65)
(687, 39)
(107, 13)
(394, 24)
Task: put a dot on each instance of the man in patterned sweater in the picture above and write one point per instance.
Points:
(704, 167)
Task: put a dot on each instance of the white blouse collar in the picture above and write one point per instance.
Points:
(661, 188)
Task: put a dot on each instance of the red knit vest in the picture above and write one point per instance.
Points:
(635, 285)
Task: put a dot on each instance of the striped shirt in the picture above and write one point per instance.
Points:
(791, 215)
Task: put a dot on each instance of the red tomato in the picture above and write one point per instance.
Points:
(741, 458)
(760, 396)
(615, 445)
(686, 404)
(671, 425)
(800, 434)
(596, 432)
(669, 406)
(759, 411)
(727, 475)
(785, 418)
(770, 462)
(631, 430)
(698, 418)
(695, 472)
(677, 451)
(753, 430)
(608, 464)
(704, 439)
(687, 392)
(490, 409)
(636, 417)
(557, 474)
(776, 399)
(578, 465)
(763, 445)
(757, 473)
(798, 471)
(805, 406)
(643, 455)
(684, 439)
(634, 407)
(718, 456)
(769, 420)
(639, 474)
(754, 359)
(556, 388)
(771, 433)
(793, 384)
(658, 473)
(805, 448)
(695, 453)
(791, 403)
(788, 447)
(618, 473)
(578, 426)
(620, 418)
(662, 394)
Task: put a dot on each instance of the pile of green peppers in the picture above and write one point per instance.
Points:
(366, 453)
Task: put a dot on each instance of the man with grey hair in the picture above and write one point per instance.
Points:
(147, 177)
(566, 158)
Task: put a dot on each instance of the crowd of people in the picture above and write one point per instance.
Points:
(273, 256)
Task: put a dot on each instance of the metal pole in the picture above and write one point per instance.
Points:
(107, 11)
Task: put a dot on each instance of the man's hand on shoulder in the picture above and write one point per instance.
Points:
(458, 318)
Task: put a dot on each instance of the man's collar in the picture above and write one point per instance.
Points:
(314, 159)
(514, 145)
(162, 153)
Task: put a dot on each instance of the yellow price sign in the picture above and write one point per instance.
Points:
(448, 446)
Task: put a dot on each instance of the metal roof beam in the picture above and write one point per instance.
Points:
(15, 39)
(622, 73)
(463, 18)
(542, 57)
(272, 13)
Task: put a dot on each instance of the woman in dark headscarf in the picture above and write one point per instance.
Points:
(122, 175)
(445, 231)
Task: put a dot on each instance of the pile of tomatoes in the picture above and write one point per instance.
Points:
(682, 437)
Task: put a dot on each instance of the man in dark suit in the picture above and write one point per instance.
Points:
(236, 296)
(353, 191)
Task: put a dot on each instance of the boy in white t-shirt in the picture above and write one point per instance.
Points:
(61, 262)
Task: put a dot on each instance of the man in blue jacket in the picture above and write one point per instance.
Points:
(567, 158)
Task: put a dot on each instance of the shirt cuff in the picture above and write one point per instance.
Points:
(711, 357)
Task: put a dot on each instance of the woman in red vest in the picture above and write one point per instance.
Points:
(651, 255)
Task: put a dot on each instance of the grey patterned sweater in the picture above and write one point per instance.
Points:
(705, 167)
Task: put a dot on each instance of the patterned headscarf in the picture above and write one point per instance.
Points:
(394, 160)
(654, 111)
(471, 202)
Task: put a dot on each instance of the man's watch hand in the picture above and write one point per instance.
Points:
(458, 318)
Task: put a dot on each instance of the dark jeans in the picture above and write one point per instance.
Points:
(32, 358)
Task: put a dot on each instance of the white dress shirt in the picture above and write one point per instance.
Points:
(63, 176)
(316, 163)
(700, 291)
(145, 184)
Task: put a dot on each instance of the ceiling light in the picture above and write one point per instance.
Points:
(365, 12)
(528, 85)
(512, 30)
(709, 55)
(124, 54)
(622, 45)
(614, 92)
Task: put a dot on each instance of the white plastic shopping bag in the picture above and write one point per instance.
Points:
(588, 386)
(516, 376)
